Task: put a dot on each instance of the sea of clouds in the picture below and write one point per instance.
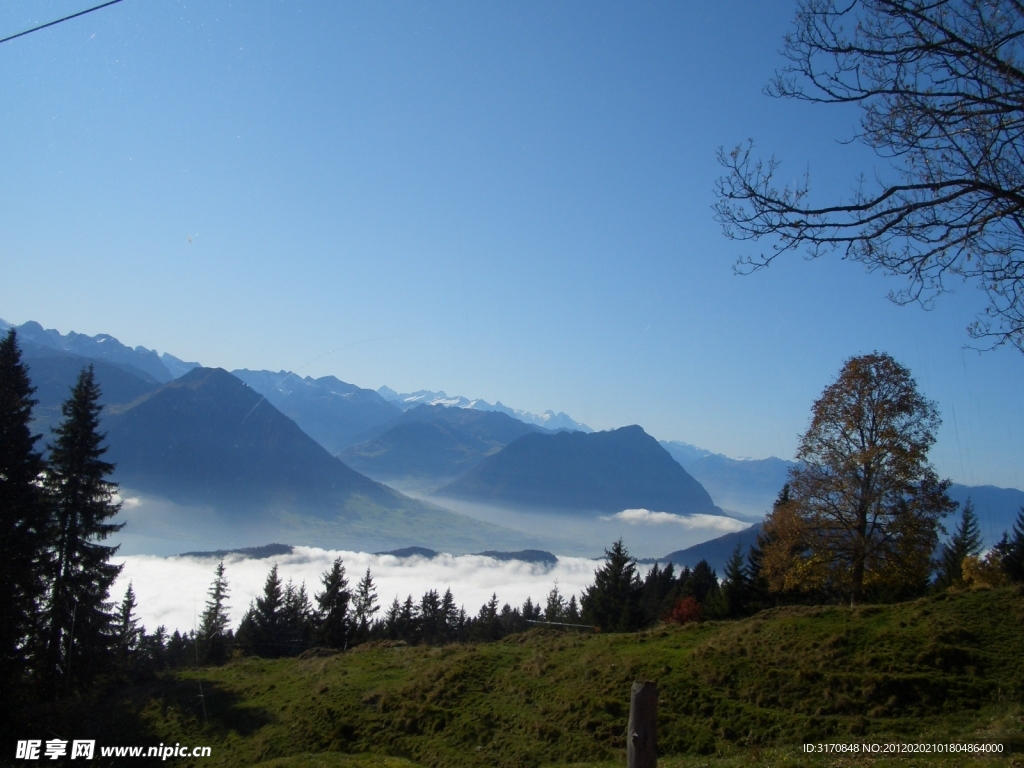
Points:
(694, 522)
(173, 590)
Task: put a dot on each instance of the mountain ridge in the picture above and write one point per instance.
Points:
(607, 471)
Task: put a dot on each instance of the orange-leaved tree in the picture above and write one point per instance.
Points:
(864, 506)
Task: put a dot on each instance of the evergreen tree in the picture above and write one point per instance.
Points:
(450, 616)
(365, 605)
(486, 626)
(966, 541)
(177, 650)
(659, 585)
(572, 610)
(431, 618)
(1012, 560)
(297, 616)
(333, 625)
(137, 654)
(735, 588)
(261, 631)
(702, 584)
(554, 610)
(24, 518)
(759, 596)
(392, 616)
(79, 623)
(213, 627)
(613, 601)
(530, 611)
(128, 634)
(154, 649)
(409, 621)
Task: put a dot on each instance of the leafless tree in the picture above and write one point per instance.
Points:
(941, 87)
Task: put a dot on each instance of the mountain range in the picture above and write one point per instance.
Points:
(209, 441)
(430, 445)
(256, 447)
(331, 411)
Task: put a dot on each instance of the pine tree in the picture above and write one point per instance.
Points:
(659, 584)
(554, 610)
(177, 650)
(703, 583)
(486, 625)
(735, 589)
(1012, 560)
(268, 619)
(79, 623)
(613, 601)
(365, 606)
(965, 542)
(23, 528)
(333, 627)
(128, 633)
(392, 616)
(155, 648)
(297, 616)
(213, 627)
(572, 611)
(449, 617)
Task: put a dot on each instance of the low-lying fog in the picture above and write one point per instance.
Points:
(156, 526)
(173, 590)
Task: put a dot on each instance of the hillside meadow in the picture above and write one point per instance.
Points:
(948, 668)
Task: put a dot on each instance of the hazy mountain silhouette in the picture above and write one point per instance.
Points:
(997, 509)
(331, 411)
(716, 551)
(434, 443)
(603, 471)
(208, 440)
(747, 486)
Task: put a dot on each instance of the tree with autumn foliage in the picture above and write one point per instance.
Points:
(864, 505)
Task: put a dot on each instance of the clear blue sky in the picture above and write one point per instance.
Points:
(502, 200)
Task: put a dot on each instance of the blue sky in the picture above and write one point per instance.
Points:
(506, 201)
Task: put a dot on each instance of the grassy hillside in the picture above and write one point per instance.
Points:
(948, 669)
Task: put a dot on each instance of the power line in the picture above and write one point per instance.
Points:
(58, 21)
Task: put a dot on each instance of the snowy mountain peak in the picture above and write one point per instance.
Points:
(548, 419)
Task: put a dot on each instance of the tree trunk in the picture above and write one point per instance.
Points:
(642, 734)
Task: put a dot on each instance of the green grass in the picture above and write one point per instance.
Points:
(948, 669)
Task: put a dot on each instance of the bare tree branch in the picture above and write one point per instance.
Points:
(941, 88)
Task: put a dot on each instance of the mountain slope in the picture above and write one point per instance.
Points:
(434, 443)
(602, 471)
(327, 409)
(210, 442)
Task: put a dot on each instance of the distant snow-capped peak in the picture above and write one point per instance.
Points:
(548, 419)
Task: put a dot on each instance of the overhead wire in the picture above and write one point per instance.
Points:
(58, 21)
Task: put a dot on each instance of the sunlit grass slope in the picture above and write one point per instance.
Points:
(949, 668)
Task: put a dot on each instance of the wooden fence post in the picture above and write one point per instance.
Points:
(642, 734)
